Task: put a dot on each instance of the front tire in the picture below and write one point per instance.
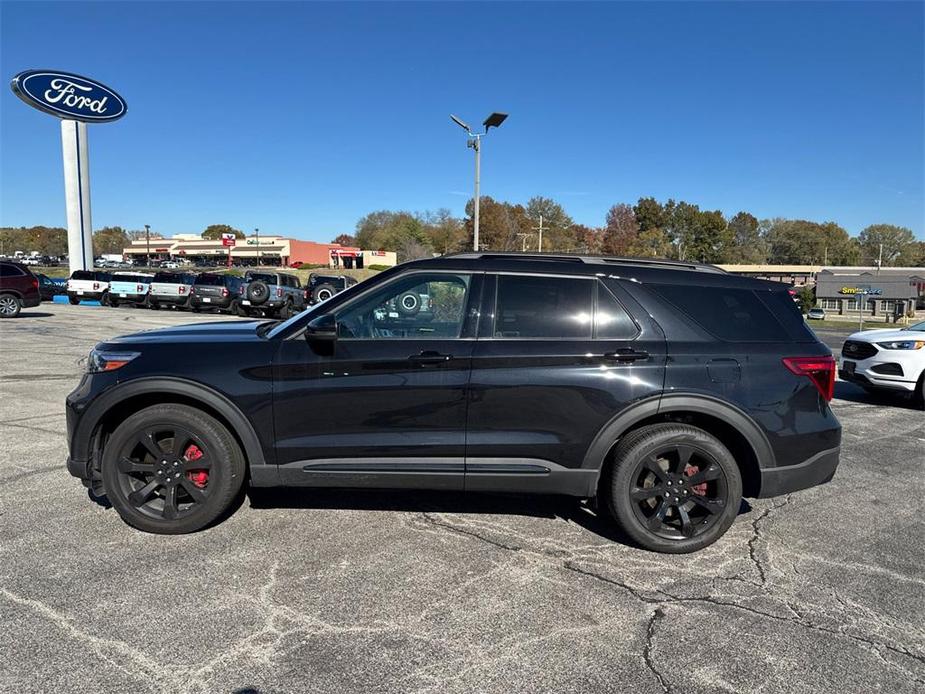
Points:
(673, 488)
(172, 469)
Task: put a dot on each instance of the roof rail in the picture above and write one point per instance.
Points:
(589, 258)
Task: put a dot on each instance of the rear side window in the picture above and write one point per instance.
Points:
(8, 270)
(611, 321)
(785, 310)
(544, 307)
(735, 315)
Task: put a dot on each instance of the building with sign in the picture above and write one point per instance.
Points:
(891, 292)
(272, 250)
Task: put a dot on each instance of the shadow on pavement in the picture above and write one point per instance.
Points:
(850, 392)
(34, 314)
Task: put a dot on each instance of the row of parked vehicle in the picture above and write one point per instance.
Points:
(258, 292)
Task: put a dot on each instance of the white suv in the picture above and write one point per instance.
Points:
(886, 359)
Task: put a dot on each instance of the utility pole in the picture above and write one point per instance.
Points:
(880, 259)
(523, 236)
(257, 239)
(539, 246)
(148, 244)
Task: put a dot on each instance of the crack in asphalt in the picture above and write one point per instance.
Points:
(756, 536)
(657, 616)
(663, 598)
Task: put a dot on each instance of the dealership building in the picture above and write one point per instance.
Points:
(271, 250)
(889, 292)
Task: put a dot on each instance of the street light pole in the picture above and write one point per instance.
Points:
(148, 245)
(475, 142)
(257, 235)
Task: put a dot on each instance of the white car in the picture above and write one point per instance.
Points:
(886, 359)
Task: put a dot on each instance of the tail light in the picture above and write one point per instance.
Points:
(192, 290)
(35, 282)
(305, 294)
(96, 285)
(279, 291)
(224, 291)
(182, 290)
(139, 288)
(241, 289)
(820, 370)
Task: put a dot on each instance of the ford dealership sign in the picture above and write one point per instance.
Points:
(68, 96)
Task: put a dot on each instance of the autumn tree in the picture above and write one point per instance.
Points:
(345, 240)
(589, 239)
(214, 232)
(109, 240)
(912, 255)
(41, 239)
(500, 224)
(558, 234)
(621, 231)
(446, 233)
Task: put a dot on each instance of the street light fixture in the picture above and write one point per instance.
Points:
(475, 142)
(148, 244)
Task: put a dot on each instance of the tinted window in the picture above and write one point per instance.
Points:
(737, 315)
(83, 275)
(140, 279)
(167, 277)
(8, 270)
(414, 307)
(262, 276)
(210, 280)
(611, 321)
(788, 314)
(543, 307)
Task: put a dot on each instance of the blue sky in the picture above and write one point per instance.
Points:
(300, 118)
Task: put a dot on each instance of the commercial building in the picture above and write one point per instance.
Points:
(271, 250)
(891, 292)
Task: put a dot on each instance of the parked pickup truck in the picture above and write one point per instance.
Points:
(171, 289)
(129, 288)
(90, 285)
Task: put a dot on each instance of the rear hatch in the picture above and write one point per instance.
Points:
(129, 285)
(210, 287)
(171, 285)
(86, 282)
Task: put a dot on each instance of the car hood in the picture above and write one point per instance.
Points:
(222, 331)
(887, 334)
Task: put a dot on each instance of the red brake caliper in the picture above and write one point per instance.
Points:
(198, 477)
(699, 489)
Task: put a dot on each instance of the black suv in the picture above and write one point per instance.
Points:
(667, 391)
(213, 291)
(323, 287)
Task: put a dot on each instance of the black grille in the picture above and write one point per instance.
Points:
(888, 369)
(852, 349)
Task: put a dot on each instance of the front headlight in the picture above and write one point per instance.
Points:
(100, 361)
(902, 344)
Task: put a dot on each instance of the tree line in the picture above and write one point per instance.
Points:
(650, 228)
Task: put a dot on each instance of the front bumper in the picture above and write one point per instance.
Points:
(861, 371)
(813, 471)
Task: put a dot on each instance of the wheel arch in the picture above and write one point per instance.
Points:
(105, 414)
(746, 441)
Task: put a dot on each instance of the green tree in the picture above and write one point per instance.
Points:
(621, 231)
(651, 243)
(558, 234)
(41, 239)
(110, 240)
(214, 232)
(912, 255)
(747, 245)
(894, 240)
(446, 233)
(500, 224)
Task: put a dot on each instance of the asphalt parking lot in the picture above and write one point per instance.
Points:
(334, 591)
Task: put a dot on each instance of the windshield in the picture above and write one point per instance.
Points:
(917, 326)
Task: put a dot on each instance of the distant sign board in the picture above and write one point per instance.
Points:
(69, 96)
(228, 240)
(860, 290)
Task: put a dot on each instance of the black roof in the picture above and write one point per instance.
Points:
(656, 270)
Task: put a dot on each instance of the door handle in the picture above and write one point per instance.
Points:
(626, 355)
(429, 356)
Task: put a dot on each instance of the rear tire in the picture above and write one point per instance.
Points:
(73, 300)
(10, 305)
(672, 488)
(166, 493)
(105, 299)
(285, 311)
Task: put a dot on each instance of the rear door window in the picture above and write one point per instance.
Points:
(731, 314)
(611, 321)
(551, 308)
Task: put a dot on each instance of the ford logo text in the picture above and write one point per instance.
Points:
(70, 96)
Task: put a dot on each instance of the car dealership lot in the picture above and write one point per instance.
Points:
(315, 590)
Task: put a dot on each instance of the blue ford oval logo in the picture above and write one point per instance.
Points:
(66, 95)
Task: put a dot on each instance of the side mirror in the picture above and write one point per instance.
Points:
(322, 329)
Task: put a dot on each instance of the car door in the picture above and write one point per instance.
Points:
(558, 357)
(384, 404)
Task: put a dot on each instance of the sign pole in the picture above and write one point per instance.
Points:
(75, 150)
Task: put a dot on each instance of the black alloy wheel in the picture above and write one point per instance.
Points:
(673, 487)
(171, 469)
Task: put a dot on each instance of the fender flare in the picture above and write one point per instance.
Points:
(680, 402)
(100, 407)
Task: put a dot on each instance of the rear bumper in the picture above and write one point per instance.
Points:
(813, 471)
(216, 302)
(30, 301)
(170, 298)
(89, 296)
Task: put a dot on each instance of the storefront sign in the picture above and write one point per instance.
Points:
(228, 240)
(860, 290)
